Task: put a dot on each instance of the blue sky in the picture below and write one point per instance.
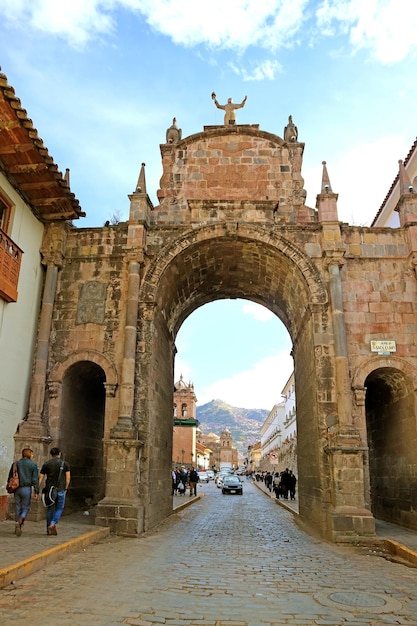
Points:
(102, 80)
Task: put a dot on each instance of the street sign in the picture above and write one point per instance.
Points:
(383, 346)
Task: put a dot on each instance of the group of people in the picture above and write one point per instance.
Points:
(181, 478)
(57, 475)
(281, 483)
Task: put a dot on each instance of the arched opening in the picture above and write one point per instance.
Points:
(238, 356)
(392, 439)
(217, 263)
(82, 429)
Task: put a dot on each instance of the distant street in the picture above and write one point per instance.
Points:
(228, 560)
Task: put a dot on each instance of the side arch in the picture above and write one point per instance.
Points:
(58, 371)
(377, 362)
(385, 390)
(81, 391)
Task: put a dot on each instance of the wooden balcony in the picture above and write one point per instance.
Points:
(10, 259)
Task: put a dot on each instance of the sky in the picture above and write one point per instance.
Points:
(103, 79)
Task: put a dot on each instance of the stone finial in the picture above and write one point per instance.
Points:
(327, 200)
(405, 182)
(173, 134)
(290, 131)
(67, 176)
(325, 180)
(141, 184)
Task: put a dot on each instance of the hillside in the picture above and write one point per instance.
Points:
(244, 424)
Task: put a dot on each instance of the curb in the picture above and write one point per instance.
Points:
(187, 502)
(393, 547)
(400, 550)
(34, 563)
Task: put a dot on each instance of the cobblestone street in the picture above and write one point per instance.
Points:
(225, 561)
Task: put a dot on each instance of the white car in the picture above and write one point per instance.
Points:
(219, 479)
(203, 476)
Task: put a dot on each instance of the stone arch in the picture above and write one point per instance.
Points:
(57, 372)
(387, 397)
(263, 237)
(229, 260)
(379, 362)
(79, 389)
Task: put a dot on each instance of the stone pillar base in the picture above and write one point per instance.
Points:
(351, 525)
(123, 518)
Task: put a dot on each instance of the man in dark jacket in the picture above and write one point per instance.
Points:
(28, 477)
(193, 480)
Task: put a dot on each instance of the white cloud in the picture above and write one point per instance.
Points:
(257, 388)
(237, 24)
(267, 69)
(385, 27)
(74, 20)
(257, 311)
(357, 177)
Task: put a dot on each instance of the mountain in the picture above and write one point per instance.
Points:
(244, 424)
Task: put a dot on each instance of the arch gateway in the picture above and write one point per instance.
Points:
(232, 223)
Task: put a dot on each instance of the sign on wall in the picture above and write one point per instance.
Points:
(383, 346)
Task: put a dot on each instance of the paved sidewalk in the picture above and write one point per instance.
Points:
(34, 550)
(399, 541)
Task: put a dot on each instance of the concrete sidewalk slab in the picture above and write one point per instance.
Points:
(34, 550)
(21, 569)
(399, 541)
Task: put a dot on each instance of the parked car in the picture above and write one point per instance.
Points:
(210, 474)
(232, 484)
(203, 476)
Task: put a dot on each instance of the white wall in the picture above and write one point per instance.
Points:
(18, 325)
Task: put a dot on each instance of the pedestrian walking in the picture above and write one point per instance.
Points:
(58, 476)
(277, 485)
(193, 480)
(268, 481)
(28, 473)
(292, 483)
(285, 481)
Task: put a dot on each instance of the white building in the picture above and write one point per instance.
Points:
(34, 198)
(271, 432)
(387, 214)
(279, 432)
(290, 421)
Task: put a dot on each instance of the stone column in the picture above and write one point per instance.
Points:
(121, 509)
(124, 428)
(33, 430)
(52, 250)
(347, 456)
(343, 392)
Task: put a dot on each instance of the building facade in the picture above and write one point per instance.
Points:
(405, 181)
(232, 222)
(36, 209)
(222, 449)
(184, 439)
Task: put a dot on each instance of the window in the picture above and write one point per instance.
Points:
(5, 211)
(184, 410)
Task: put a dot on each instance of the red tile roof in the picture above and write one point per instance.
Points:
(26, 163)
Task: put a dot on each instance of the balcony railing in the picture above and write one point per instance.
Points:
(10, 259)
